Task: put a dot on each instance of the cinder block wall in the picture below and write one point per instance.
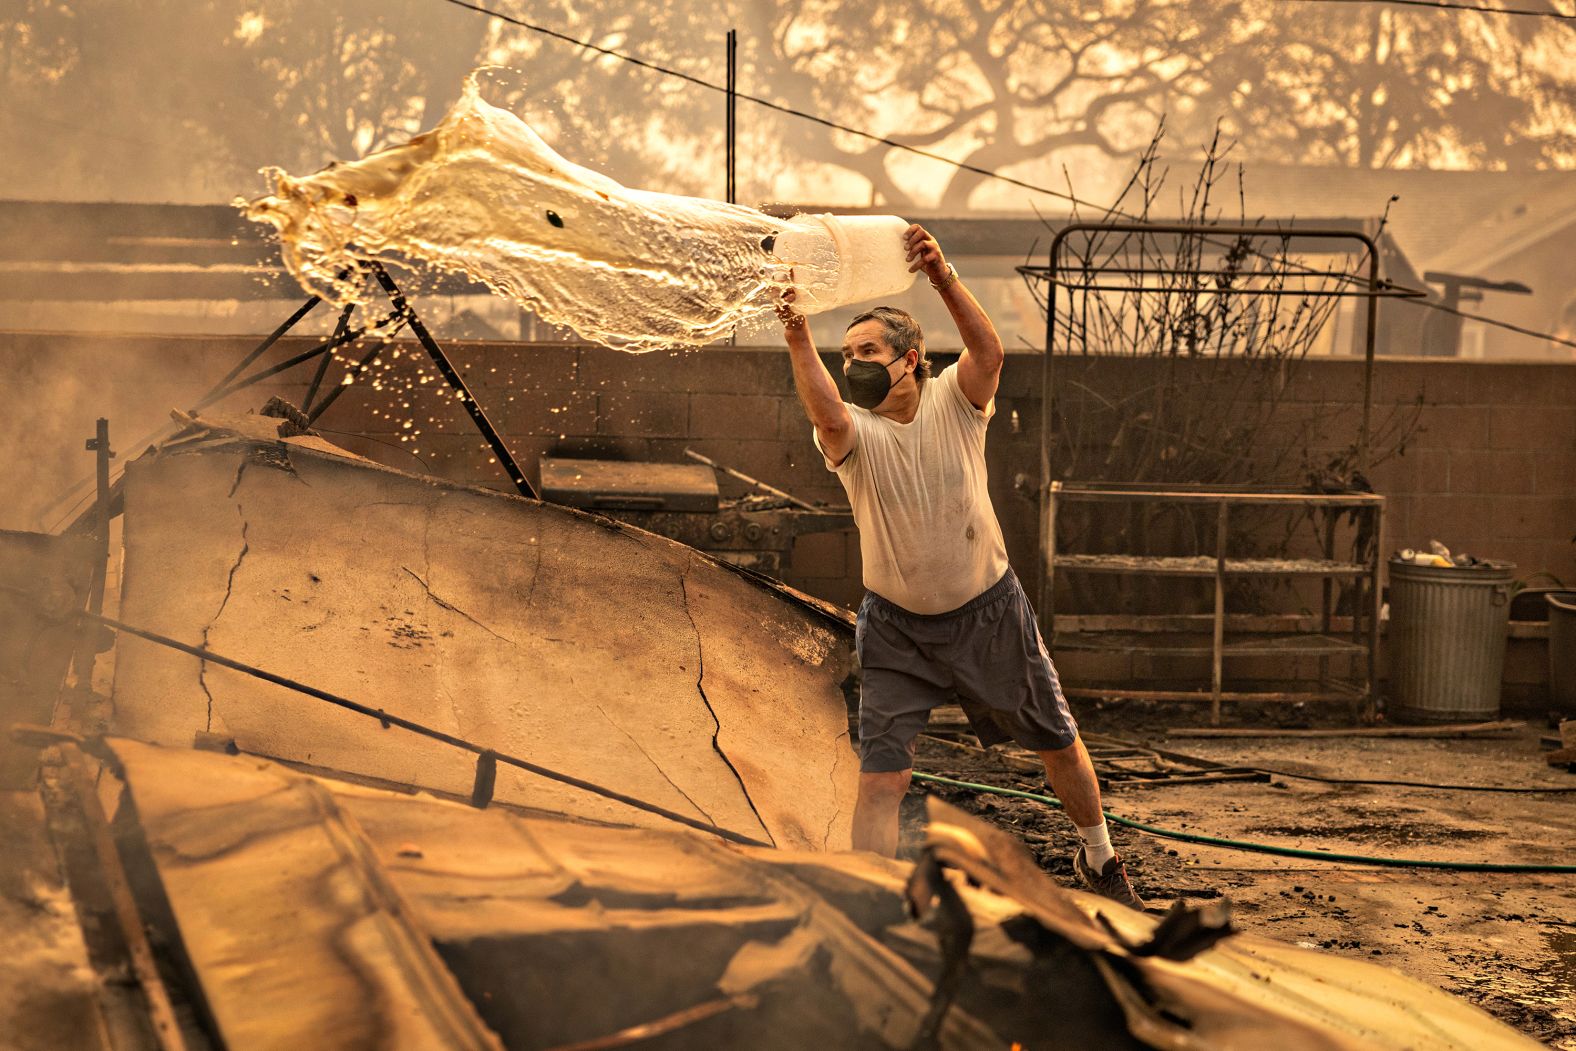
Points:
(1491, 468)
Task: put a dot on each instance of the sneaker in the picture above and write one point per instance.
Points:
(1110, 882)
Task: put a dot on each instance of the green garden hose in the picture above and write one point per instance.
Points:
(1258, 848)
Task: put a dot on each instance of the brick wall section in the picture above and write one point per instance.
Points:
(1491, 470)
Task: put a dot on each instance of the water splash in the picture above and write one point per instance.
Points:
(483, 195)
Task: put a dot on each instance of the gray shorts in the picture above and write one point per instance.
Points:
(987, 655)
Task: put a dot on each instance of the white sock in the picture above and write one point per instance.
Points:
(1097, 845)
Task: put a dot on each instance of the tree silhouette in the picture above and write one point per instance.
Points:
(214, 89)
(187, 100)
(1371, 86)
(993, 84)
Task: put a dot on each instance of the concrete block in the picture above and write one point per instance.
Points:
(604, 370)
(1463, 427)
(1450, 519)
(523, 366)
(548, 413)
(725, 371)
(386, 408)
(1431, 470)
(1530, 384)
(1440, 383)
(1554, 472)
(733, 415)
(792, 424)
(1534, 517)
(643, 414)
(1558, 556)
(607, 447)
(1533, 427)
(1491, 472)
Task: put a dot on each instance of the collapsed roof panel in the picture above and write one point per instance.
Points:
(296, 900)
(305, 907)
(289, 922)
(584, 645)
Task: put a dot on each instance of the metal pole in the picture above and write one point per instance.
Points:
(102, 454)
(322, 366)
(203, 653)
(733, 119)
(1047, 412)
(352, 373)
(1217, 661)
(1368, 351)
(746, 479)
(1327, 592)
(220, 394)
(731, 134)
(1376, 608)
(1048, 594)
(455, 380)
(89, 639)
(273, 337)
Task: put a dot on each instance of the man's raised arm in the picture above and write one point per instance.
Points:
(817, 390)
(979, 369)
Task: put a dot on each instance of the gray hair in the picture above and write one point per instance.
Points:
(903, 334)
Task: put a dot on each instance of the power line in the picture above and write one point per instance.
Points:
(769, 104)
(1446, 5)
(1551, 337)
(963, 165)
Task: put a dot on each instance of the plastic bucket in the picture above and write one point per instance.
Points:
(1562, 652)
(842, 259)
(1447, 640)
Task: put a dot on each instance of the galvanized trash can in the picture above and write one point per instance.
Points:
(1562, 652)
(1447, 640)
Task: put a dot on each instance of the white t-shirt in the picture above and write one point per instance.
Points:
(928, 534)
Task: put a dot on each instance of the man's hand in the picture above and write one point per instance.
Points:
(786, 313)
(924, 254)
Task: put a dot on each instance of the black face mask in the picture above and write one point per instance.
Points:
(869, 382)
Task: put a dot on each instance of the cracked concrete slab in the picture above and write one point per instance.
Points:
(586, 646)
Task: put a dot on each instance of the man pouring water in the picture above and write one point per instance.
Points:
(944, 617)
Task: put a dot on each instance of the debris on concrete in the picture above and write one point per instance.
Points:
(309, 877)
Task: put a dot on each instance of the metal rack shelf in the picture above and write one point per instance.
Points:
(1205, 566)
(1181, 646)
(1336, 692)
(1075, 275)
(1206, 635)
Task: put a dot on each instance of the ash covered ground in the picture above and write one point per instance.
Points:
(1503, 941)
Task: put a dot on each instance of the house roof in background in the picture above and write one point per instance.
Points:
(1442, 218)
(1520, 222)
